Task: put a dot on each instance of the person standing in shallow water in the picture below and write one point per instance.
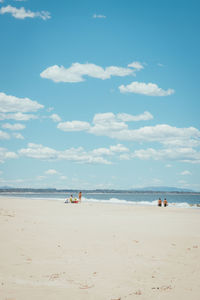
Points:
(79, 196)
(159, 202)
(165, 203)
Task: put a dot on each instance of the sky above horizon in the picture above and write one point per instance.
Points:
(99, 94)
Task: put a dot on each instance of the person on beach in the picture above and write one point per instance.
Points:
(71, 198)
(79, 196)
(165, 203)
(159, 202)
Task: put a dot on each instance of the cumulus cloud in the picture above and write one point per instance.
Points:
(17, 116)
(111, 150)
(5, 154)
(22, 13)
(13, 126)
(77, 71)
(74, 126)
(4, 135)
(95, 16)
(115, 126)
(56, 118)
(10, 104)
(148, 89)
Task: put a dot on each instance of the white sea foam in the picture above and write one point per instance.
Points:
(138, 203)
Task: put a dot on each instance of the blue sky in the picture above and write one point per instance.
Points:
(99, 94)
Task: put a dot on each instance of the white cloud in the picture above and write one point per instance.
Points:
(40, 177)
(115, 127)
(51, 172)
(111, 150)
(186, 172)
(95, 16)
(76, 72)
(18, 136)
(49, 109)
(128, 118)
(136, 65)
(149, 89)
(188, 155)
(106, 122)
(17, 116)
(77, 155)
(22, 13)
(13, 104)
(4, 154)
(4, 135)
(56, 118)
(13, 126)
(74, 126)
(168, 166)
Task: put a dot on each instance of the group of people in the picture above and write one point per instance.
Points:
(72, 199)
(165, 203)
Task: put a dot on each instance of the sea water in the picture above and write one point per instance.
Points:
(184, 200)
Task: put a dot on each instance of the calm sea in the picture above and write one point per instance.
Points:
(184, 200)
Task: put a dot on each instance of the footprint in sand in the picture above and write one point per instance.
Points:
(54, 276)
(85, 286)
(138, 293)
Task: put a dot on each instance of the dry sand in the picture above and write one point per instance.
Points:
(55, 251)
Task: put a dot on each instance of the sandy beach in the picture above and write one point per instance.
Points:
(51, 250)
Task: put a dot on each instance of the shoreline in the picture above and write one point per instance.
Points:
(97, 251)
(111, 201)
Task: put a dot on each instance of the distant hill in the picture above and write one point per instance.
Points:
(163, 189)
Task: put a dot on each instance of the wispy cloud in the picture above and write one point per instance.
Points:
(18, 136)
(4, 135)
(13, 126)
(22, 13)
(98, 16)
(5, 154)
(188, 155)
(17, 116)
(14, 104)
(186, 172)
(128, 118)
(148, 89)
(136, 65)
(56, 118)
(77, 155)
(51, 172)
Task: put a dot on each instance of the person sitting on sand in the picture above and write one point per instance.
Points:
(79, 196)
(165, 203)
(71, 198)
(159, 202)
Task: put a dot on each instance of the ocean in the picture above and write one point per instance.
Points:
(184, 200)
